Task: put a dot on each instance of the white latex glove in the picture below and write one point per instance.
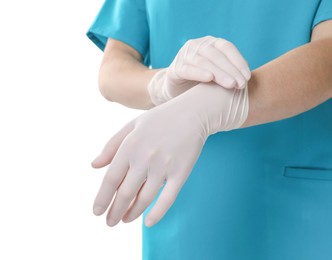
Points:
(200, 60)
(162, 144)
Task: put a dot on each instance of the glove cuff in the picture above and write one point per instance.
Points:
(156, 88)
(238, 110)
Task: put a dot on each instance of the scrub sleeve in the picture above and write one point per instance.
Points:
(123, 20)
(324, 12)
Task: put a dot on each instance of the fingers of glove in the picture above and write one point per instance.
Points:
(190, 72)
(175, 175)
(234, 56)
(182, 69)
(127, 191)
(107, 154)
(158, 165)
(223, 64)
(164, 202)
(220, 75)
(144, 198)
(189, 65)
(194, 45)
(112, 179)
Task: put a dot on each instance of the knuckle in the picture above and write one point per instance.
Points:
(152, 153)
(133, 139)
(165, 158)
(190, 42)
(208, 37)
(226, 45)
(187, 45)
(147, 157)
(168, 159)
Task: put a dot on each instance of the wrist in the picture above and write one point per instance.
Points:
(156, 89)
(215, 107)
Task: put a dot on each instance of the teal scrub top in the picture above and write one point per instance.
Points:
(260, 193)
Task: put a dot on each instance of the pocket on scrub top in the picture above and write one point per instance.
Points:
(299, 213)
(308, 173)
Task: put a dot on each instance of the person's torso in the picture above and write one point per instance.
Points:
(262, 31)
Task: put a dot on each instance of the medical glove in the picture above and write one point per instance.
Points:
(161, 144)
(200, 60)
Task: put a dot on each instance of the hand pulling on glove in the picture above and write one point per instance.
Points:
(200, 60)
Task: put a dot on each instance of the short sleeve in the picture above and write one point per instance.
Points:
(324, 12)
(123, 20)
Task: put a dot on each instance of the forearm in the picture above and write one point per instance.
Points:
(291, 84)
(123, 78)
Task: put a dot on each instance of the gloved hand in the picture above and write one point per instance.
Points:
(200, 60)
(163, 143)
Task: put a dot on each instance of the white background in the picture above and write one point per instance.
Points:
(54, 122)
